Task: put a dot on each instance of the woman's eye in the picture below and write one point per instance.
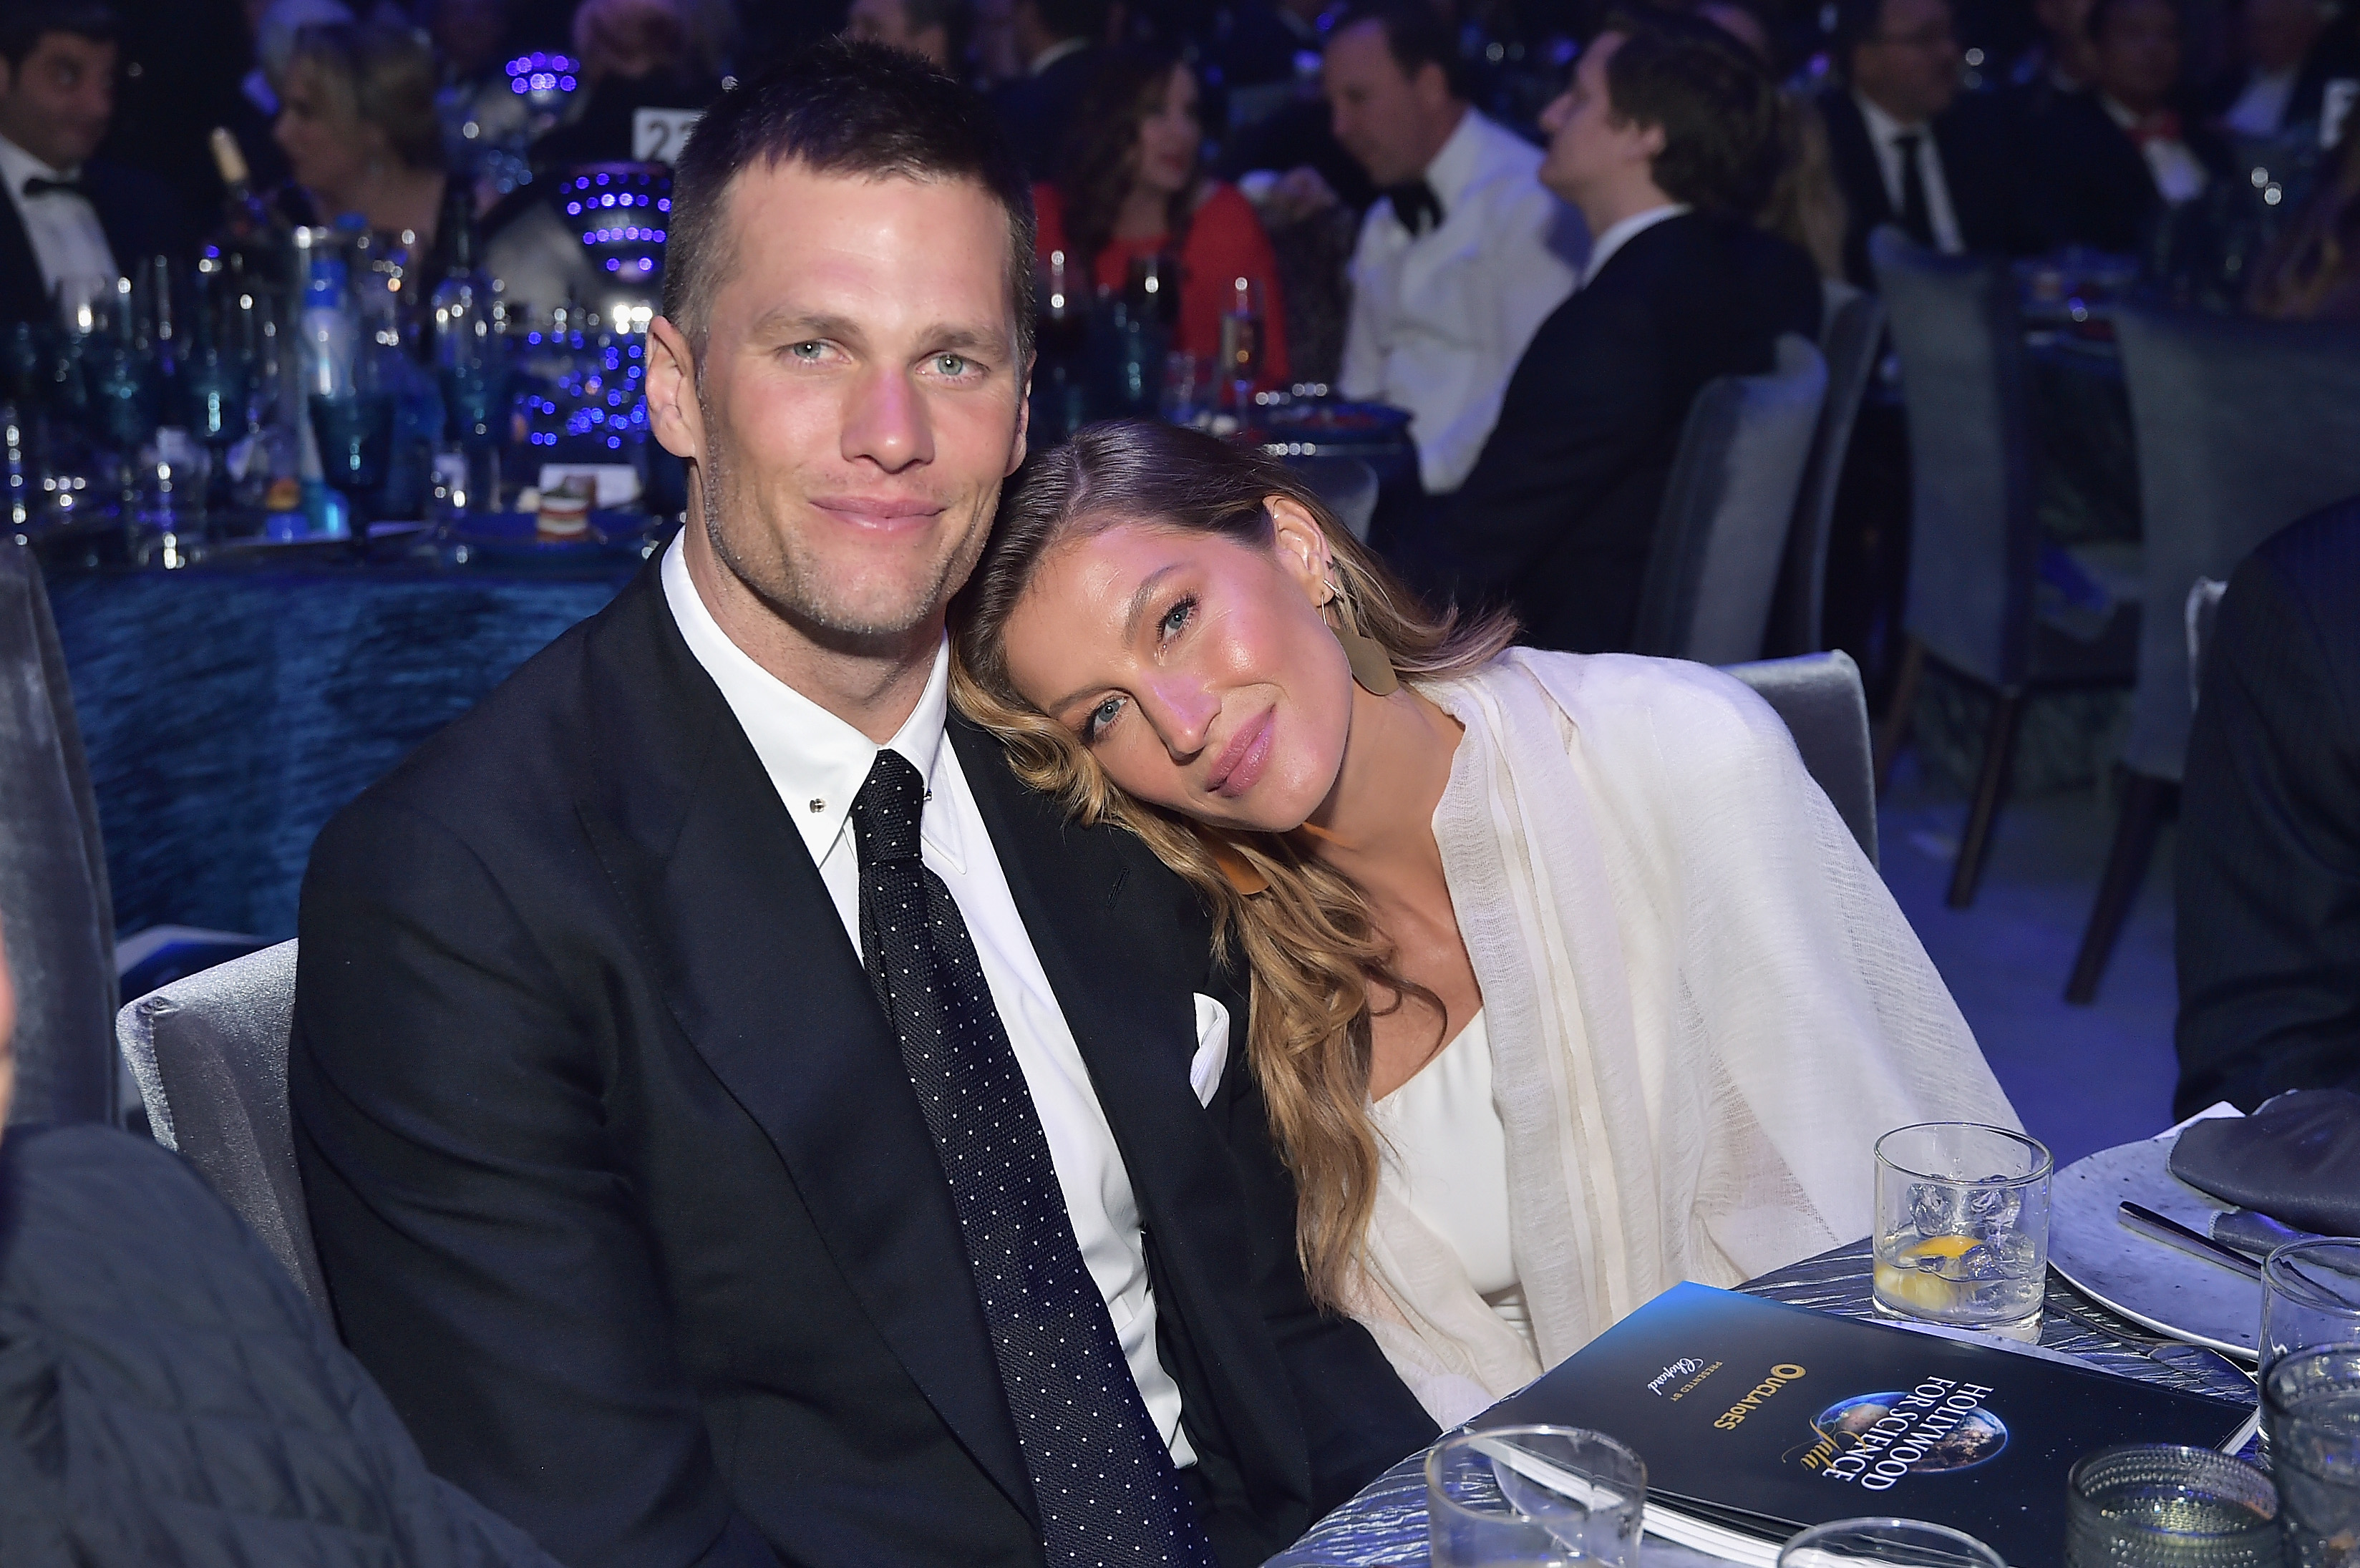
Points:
(1176, 619)
(1100, 716)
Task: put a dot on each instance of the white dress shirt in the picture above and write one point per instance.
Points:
(2179, 174)
(1622, 232)
(2260, 109)
(1883, 133)
(67, 239)
(1440, 318)
(817, 762)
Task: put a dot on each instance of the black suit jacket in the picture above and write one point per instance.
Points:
(1559, 513)
(139, 213)
(2268, 861)
(2094, 187)
(1037, 110)
(622, 1194)
(1977, 140)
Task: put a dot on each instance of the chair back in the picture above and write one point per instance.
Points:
(1727, 511)
(210, 1054)
(2203, 609)
(1348, 487)
(2242, 427)
(1852, 328)
(1973, 546)
(54, 903)
(1819, 696)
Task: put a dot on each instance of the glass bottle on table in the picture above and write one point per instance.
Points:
(349, 418)
(1241, 342)
(466, 366)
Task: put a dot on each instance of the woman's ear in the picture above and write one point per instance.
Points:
(1302, 546)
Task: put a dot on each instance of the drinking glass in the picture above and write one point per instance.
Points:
(2311, 1408)
(1152, 288)
(1962, 1226)
(1187, 387)
(2311, 1295)
(2160, 1506)
(1908, 1544)
(1536, 1496)
(1242, 341)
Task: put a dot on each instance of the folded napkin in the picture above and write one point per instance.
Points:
(2296, 1159)
(2254, 1233)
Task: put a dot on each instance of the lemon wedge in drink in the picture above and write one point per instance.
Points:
(1908, 1283)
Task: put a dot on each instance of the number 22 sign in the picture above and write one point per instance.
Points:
(657, 134)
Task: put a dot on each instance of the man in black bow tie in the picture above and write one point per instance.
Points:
(1467, 253)
(742, 1122)
(70, 218)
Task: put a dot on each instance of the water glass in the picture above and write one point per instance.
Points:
(2158, 1506)
(1906, 1543)
(1962, 1226)
(1534, 1497)
(2311, 1408)
(2311, 1295)
(1242, 352)
(1187, 389)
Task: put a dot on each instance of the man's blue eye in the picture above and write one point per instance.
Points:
(951, 363)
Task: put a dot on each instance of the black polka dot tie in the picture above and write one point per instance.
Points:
(1104, 1481)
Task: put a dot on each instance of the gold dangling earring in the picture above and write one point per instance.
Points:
(1371, 665)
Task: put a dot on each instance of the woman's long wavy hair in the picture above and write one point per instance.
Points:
(1098, 164)
(1305, 930)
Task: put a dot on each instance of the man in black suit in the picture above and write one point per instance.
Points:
(1908, 149)
(742, 1123)
(2269, 864)
(1057, 41)
(68, 215)
(2114, 158)
(1666, 140)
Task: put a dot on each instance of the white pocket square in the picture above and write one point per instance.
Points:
(1212, 1048)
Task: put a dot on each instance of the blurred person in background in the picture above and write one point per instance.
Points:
(1909, 149)
(1132, 188)
(1806, 205)
(2311, 272)
(166, 1394)
(635, 54)
(357, 123)
(1465, 254)
(2268, 860)
(2275, 88)
(68, 213)
(2112, 158)
(1668, 140)
(934, 30)
(1057, 41)
(2058, 61)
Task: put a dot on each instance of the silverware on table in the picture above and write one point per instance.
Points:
(2171, 1233)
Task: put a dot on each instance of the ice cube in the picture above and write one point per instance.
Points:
(1934, 1209)
(1992, 1209)
(2004, 1257)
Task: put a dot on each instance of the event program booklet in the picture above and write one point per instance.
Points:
(1756, 1419)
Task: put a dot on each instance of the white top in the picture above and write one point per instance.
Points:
(1885, 133)
(1439, 319)
(817, 762)
(1447, 1158)
(2180, 174)
(2261, 108)
(67, 238)
(1623, 232)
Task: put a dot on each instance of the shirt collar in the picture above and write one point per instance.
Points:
(816, 760)
(1617, 235)
(1882, 127)
(17, 166)
(1054, 53)
(1454, 168)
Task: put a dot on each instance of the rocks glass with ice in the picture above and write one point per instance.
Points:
(1962, 1226)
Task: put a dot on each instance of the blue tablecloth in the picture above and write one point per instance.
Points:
(228, 712)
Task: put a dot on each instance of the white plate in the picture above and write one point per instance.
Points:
(2161, 1287)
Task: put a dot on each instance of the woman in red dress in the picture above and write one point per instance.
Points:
(1131, 187)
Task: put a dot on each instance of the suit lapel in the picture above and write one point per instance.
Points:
(734, 920)
(1122, 943)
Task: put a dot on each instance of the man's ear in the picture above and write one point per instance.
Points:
(674, 413)
(1652, 142)
(1433, 86)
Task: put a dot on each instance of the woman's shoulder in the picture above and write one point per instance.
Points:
(1223, 213)
(1690, 713)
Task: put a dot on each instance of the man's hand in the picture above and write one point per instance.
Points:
(1288, 198)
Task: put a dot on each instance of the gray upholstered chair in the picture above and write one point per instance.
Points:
(2242, 427)
(1974, 547)
(1850, 330)
(53, 895)
(1819, 696)
(1348, 487)
(1728, 509)
(210, 1055)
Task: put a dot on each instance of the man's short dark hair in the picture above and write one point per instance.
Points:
(838, 107)
(1416, 35)
(1719, 109)
(24, 24)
